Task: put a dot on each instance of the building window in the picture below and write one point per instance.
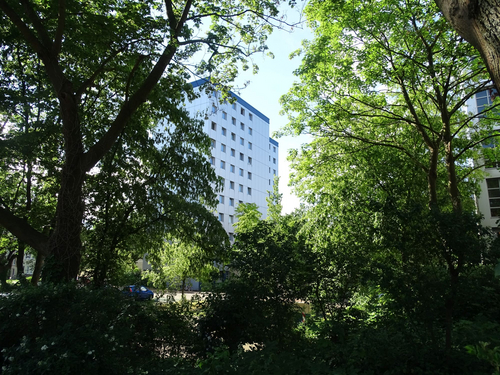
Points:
(274, 160)
(223, 147)
(242, 141)
(223, 164)
(250, 145)
(242, 126)
(233, 121)
(240, 188)
(250, 131)
(494, 195)
(274, 148)
(224, 115)
(274, 172)
(233, 152)
(231, 237)
(214, 108)
(240, 202)
(249, 160)
(269, 157)
(250, 116)
(214, 126)
(233, 137)
(223, 131)
(242, 157)
(231, 185)
(221, 199)
(213, 143)
(221, 217)
(212, 160)
(231, 168)
(231, 202)
(233, 105)
(242, 111)
(241, 172)
(249, 191)
(269, 181)
(249, 175)
(269, 169)
(231, 219)
(484, 99)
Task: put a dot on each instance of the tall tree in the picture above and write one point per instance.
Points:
(391, 78)
(103, 61)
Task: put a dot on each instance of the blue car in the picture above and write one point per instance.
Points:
(138, 292)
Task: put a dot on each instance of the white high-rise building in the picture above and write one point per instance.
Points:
(243, 154)
(488, 201)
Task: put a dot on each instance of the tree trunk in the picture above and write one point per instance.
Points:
(450, 303)
(38, 269)
(20, 258)
(4, 270)
(453, 191)
(432, 178)
(65, 244)
(478, 22)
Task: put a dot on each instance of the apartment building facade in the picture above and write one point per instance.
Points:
(243, 154)
(488, 201)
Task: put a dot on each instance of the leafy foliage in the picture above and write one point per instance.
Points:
(87, 85)
(69, 329)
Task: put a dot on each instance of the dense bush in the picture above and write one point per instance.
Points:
(239, 313)
(64, 329)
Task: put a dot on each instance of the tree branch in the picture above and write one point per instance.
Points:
(22, 27)
(23, 231)
(61, 21)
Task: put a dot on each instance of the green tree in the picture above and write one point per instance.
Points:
(383, 88)
(141, 196)
(270, 266)
(179, 261)
(104, 61)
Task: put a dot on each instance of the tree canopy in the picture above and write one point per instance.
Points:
(383, 89)
(87, 83)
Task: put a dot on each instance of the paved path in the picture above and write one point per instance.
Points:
(177, 296)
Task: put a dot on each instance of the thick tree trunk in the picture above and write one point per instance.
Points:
(65, 243)
(478, 22)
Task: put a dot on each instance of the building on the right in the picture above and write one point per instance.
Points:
(488, 200)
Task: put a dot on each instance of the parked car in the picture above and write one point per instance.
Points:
(138, 292)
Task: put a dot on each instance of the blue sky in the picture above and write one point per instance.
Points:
(273, 80)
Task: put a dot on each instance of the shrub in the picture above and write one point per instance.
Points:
(63, 329)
